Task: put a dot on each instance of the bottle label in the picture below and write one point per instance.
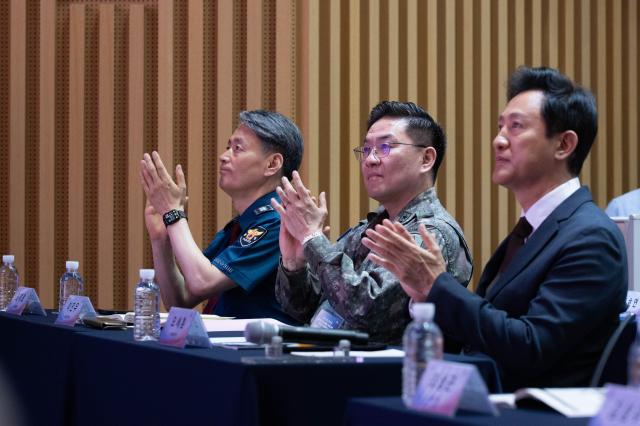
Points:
(75, 308)
(184, 327)
(446, 386)
(621, 407)
(26, 301)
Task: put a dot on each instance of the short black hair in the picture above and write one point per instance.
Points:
(421, 127)
(278, 134)
(566, 106)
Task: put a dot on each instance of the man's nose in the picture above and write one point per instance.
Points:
(372, 158)
(500, 141)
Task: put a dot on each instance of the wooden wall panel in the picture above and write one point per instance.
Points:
(194, 123)
(31, 147)
(87, 86)
(354, 133)
(632, 92)
(135, 139)
(105, 154)
(165, 80)
(312, 138)
(17, 128)
(4, 123)
(46, 167)
(224, 77)
(482, 242)
(254, 54)
(76, 133)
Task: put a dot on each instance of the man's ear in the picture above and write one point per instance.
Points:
(429, 158)
(566, 144)
(274, 164)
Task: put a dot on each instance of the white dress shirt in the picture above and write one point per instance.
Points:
(542, 208)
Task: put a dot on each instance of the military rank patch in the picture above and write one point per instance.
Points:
(252, 236)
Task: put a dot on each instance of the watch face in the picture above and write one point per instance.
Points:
(172, 217)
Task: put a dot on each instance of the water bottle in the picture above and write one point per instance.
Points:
(634, 359)
(422, 342)
(71, 283)
(9, 281)
(146, 324)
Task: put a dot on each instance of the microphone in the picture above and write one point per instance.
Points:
(261, 332)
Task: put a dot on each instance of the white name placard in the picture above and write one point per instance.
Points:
(447, 386)
(621, 407)
(633, 301)
(184, 327)
(25, 301)
(74, 309)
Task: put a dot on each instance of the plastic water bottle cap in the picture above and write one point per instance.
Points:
(424, 311)
(7, 258)
(73, 265)
(147, 274)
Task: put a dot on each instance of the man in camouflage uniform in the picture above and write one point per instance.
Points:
(337, 285)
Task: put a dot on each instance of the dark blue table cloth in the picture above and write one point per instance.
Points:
(391, 411)
(37, 359)
(67, 376)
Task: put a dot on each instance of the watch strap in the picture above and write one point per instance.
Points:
(172, 216)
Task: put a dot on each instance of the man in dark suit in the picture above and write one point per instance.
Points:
(550, 295)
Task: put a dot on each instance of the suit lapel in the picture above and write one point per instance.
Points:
(547, 230)
(538, 240)
(491, 268)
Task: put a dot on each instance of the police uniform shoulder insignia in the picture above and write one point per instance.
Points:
(262, 209)
(252, 236)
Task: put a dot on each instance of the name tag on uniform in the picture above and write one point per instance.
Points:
(327, 317)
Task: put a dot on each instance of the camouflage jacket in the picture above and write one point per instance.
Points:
(367, 296)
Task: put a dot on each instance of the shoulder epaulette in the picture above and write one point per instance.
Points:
(263, 209)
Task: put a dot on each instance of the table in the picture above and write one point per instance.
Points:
(391, 410)
(37, 357)
(81, 376)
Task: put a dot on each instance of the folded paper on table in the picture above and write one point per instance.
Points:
(234, 324)
(129, 316)
(386, 353)
(571, 402)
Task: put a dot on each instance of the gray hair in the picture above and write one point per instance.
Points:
(278, 134)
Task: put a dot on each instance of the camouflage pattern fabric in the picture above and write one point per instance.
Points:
(367, 296)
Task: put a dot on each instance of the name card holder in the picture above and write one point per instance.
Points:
(25, 301)
(448, 386)
(633, 302)
(621, 407)
(184, 327)
(74, 309)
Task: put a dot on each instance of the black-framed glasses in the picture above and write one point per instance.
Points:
(379, 151)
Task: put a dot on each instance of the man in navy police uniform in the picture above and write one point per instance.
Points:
(236, 272)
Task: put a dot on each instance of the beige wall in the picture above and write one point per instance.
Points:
(87, 86)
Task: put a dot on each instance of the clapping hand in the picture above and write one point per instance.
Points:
(393, 248)
(161, 190)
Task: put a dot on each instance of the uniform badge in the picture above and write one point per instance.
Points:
(252, 236)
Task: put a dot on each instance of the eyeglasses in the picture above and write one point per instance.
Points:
(379, 151)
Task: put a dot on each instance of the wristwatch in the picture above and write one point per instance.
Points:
(172, 216)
